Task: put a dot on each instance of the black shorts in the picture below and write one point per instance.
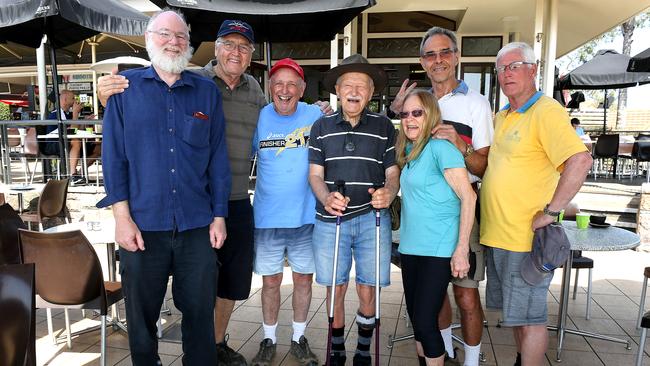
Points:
(236, 255)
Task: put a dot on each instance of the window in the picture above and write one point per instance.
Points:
(480, 46)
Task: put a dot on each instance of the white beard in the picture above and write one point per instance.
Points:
(174, 65)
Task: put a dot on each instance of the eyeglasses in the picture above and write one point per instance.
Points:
(167, 36)
(432, 55)
(513, 66)
(415, 113)
(349, 144)
(230, 46)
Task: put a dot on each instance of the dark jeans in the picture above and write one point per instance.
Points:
(190, 259)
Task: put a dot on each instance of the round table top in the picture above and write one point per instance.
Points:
(600, 239)
(97, 232)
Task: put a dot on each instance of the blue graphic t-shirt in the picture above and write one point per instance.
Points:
(283, 197)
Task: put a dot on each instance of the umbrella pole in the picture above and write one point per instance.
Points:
(267, 47)
(63, 138)
(605, 113)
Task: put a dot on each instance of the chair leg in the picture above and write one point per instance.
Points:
(68, 331)
(642, 302)
(639, 354)
(50, 328)
(575, 284)
(588, 315)
(102, 355)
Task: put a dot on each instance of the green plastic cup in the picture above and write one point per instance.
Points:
(582, 220)
(89, 130)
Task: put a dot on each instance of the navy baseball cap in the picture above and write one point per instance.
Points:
(236, 26)
(551, 249)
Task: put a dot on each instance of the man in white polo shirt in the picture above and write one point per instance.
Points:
(467, 117)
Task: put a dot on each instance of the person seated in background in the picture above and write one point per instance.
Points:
(71, 109)
(575, 123)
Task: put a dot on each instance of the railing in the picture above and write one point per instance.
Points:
(5, 158)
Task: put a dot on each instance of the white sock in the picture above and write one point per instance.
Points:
(269, 331)
(472, 355)
(446, 337)
(298, 330)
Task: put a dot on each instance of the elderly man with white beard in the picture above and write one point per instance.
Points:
(168, 179)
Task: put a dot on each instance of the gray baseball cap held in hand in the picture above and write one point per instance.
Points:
(551, 249)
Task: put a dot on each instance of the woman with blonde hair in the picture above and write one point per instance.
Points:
(437, 216)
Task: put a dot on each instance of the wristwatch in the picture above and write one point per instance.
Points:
(469, 150)
(551, 213)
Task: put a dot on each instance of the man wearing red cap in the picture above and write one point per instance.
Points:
(284, 207)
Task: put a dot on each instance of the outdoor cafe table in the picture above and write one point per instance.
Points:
(589, 239)
(100, 232)
(19, 189)
(84, 136)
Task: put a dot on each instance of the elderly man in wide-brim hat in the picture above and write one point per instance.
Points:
(356, 146)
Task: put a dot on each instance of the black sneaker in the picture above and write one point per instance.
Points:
(337, 359)
(265, 354)
(229, 357)
(359, 360)
(452, 361)
(77, 180)
(301, 351)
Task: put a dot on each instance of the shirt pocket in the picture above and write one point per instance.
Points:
(196, 132)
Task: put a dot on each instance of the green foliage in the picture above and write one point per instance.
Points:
(4, 112)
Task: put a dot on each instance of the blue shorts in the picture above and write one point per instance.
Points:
(520, 303)
(357, 239)
(272, 244)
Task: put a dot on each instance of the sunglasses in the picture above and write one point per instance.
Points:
(415, 113)
(349, 143)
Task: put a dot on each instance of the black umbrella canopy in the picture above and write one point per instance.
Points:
(66, 21)
(272, 20)
(607, 70)
(640, 62)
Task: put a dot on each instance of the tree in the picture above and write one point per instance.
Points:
(587, 51)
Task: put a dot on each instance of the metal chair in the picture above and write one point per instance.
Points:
(69, 275)
(606, 148)
(641, 153)
(51, 203)
(18, 320)
(579, 262)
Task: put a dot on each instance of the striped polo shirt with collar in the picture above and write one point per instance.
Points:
(359, 156)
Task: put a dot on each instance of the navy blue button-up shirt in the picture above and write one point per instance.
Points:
(164, 151)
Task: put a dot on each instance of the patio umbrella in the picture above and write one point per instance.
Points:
(640, 62)
(65, 22)
(607, 70)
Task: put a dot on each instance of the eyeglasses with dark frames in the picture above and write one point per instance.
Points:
(444, 53)
(415, 113)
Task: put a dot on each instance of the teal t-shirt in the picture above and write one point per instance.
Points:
(283, 197)
(430, 207)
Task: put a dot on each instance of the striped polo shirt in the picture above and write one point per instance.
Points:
(359, 156)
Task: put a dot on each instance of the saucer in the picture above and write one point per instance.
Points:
(21, 187)
(592, 224)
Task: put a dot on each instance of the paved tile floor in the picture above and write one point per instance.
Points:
(616, 294)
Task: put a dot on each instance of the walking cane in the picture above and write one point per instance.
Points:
(377, 228)
(340, 187)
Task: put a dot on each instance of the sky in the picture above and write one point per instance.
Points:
(637, 97)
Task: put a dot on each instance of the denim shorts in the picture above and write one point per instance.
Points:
(357, 239)
(272, 244)
(521, 304)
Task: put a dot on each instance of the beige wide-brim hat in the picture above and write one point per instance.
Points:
(355, 63)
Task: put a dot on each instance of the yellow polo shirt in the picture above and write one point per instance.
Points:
(527, 155)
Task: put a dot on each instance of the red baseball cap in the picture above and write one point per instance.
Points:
(288, 63)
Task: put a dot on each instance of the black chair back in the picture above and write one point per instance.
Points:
(606, 146)
(17, 322)
(10, 222)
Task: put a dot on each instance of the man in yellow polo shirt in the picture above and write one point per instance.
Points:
(536, 165)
